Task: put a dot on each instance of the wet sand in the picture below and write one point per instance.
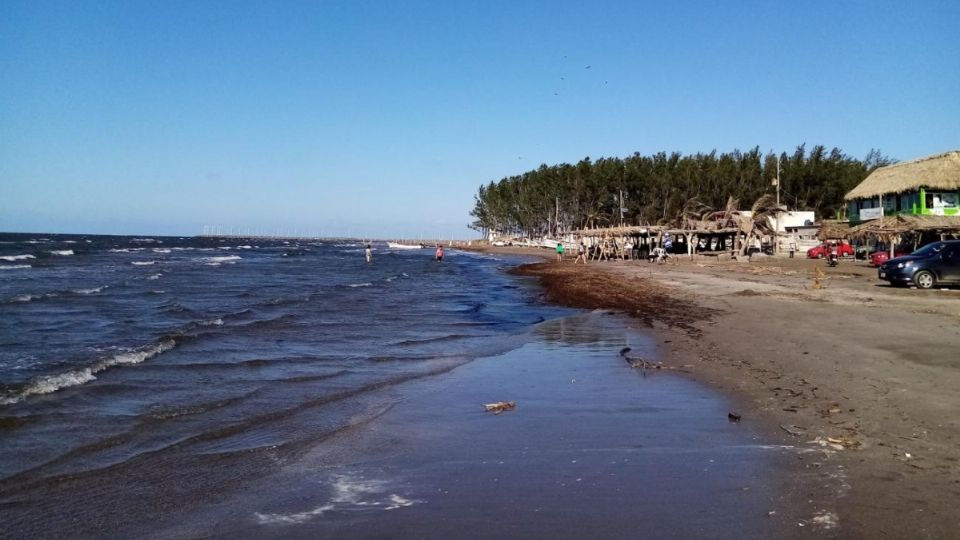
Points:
(593, 449)
(829, 359)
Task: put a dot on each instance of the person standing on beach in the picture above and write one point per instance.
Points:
(559, 252)
(369, 253)
(439, 253)
(581, 253)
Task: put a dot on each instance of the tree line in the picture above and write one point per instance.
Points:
(657, 189)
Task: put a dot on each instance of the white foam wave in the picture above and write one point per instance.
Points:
(63, 252)
(145, 240)
(69, 241)
(211, 322)
(93, 290)
(126, 250)
(226, 259)
(359, 284)
(161, 250)
(22, 298)
(12, 258)
(143, 263)
(244, 247)
(349, 493)
(14, 266)
(154, 276)
(51, 383)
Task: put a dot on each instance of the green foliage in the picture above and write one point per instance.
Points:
(659, 188)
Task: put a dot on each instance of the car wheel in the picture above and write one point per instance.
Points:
(819, 255)
(924, 279)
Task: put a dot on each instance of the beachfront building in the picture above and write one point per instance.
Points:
(928, 186)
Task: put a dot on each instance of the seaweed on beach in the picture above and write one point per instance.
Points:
(642, 299)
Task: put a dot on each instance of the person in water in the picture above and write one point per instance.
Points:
(559, 251)
(369, 253)
(439, 253)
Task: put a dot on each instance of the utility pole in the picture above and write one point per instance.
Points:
(621, 207)
(776, 232)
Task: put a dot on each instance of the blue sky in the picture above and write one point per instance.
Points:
(382, 118)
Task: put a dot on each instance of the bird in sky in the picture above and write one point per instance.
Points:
(588, 67)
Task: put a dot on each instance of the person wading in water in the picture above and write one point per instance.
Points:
(439, 253)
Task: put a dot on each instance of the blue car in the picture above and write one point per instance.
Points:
(934, 264)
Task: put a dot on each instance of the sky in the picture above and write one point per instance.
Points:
(381, 119)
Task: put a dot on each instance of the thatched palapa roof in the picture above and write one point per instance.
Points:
(941, 171)
(890, 225)
(831, 229)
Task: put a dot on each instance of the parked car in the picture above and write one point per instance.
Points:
(879, 257)
(818, 252)
(934, 264)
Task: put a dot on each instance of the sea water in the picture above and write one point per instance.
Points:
(144, 379)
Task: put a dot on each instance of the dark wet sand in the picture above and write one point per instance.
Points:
(593, 450)
(811, 354)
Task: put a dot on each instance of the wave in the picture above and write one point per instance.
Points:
(143, 263)
(14, 266)
(451, 337)
(225, 259)
(161, 250)
(62, 252)
(93, 290)
(48, 384)
(21, 298)
(126, 250)
(154, 277)
(12, 258)
(367, 284)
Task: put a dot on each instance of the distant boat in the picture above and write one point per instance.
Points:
(396, 245)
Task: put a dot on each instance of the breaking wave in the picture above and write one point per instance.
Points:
(12, 258)
(14, 266)
(62, 252)
(225, 259)
(51, 383)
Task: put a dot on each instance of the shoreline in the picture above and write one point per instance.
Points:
(863, 375)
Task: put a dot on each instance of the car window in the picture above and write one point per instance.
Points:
(930, 249)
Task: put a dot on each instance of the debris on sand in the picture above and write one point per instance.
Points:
(733, 417)
(796, 431)
(837, 443)
(500, 406)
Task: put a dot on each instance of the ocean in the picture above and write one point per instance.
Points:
(145, 378)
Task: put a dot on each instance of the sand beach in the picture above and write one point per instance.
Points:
(829, 359)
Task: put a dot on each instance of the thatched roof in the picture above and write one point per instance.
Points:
(941, 171)
(831, 229)
(699, 228)
(888, 225)
(625, 230)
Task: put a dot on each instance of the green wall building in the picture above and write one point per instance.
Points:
(927, 186)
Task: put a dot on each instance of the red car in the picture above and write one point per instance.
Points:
(821, 251)
(879, 257)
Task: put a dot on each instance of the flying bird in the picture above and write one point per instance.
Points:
(588, 67)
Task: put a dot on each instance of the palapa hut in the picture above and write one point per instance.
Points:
(912, 231)
(928, 186)
(831, 229)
